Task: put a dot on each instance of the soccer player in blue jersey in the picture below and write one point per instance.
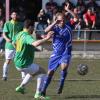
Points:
(62, 47)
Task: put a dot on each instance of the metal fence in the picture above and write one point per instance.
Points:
(82, 47)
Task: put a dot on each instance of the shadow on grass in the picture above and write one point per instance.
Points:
(81, 96)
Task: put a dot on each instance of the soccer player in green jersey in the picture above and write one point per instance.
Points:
(10, 29)
(25, 48)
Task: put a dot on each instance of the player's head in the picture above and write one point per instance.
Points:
(14, 15)
(61, 19)
(28, 24)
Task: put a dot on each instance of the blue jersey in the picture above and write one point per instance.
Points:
(62, 39)
(62, 46)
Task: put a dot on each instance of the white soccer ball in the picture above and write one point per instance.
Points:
(82, 69)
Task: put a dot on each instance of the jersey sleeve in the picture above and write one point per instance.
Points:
(29, 39)
(54, 28)
(5, 29)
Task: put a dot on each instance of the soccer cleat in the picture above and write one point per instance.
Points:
(37, 95)
(44, 98)
(20, 89)
(4, 78)
(43, 94)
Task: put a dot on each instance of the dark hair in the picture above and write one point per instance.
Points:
(28, 23)
(14, 10)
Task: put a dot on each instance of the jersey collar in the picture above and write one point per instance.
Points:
(13, 22)
(25, 30)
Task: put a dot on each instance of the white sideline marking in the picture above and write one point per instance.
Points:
(17, 79)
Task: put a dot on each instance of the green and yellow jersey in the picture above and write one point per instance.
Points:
(11, 28)
(24, 50)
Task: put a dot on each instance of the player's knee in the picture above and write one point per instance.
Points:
(64, 67)
(50, 73)
(41, 76)
(8, 61)
(41, 70)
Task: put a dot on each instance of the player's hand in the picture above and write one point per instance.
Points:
(56, 21)
(8, 40)
(49, 35)
(66, 7)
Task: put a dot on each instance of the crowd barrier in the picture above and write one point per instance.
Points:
(83, 45)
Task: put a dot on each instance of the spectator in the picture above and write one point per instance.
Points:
(52, 3)
(92, 4)
(81, 5)
(54, 13)
(1, 19)
(90, 21)
(49, 10)
(95, 8)
(1, 26)
(50, 6)
(42, 23)
(79, 24)
(2, 43)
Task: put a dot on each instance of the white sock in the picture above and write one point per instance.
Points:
(23, 74)
(40, 81)
(5, 69)
(25, 81)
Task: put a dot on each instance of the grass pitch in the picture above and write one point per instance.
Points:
(76, 87)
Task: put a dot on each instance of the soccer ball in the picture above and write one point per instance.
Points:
(82, 69)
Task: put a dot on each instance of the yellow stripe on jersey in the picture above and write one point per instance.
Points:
(19, 45)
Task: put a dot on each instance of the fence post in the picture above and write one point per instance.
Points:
(84, 48)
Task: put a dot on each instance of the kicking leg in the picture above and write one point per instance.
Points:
(23, 74)
(47, 82)
(25, 81)
(40, 81)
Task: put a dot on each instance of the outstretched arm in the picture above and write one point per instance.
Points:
(39, 42)
(71, 12)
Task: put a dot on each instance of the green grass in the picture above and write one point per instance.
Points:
(76, 87)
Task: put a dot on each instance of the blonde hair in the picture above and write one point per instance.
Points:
(59, 14)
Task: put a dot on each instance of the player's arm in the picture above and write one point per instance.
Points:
(49, 28)
(75, 18)
(5, 32)
(39, 42)
(5, 37)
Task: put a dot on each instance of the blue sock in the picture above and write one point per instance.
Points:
(62, 79)
(46, 83)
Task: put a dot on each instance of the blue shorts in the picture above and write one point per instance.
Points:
(56, 60)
